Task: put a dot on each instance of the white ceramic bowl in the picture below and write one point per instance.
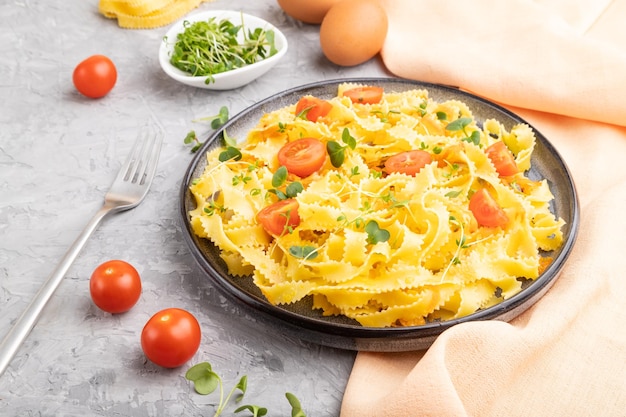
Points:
(230, 79)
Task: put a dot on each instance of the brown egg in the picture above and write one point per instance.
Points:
(308, 11)
(353, 31)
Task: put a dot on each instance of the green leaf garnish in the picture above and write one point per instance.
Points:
(280, 176)
(348, 139)
(459, 124)
(231, 153)
(210, 47)
(303, 252)
(296, 408)
(336, 152)
(375, 234)
(254, 409)
(205, 381)
(294, 189)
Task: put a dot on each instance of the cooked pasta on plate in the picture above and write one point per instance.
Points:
(390, 208)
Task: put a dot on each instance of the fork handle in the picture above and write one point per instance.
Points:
(22, 327)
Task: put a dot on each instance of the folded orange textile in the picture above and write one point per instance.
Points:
(560, 65)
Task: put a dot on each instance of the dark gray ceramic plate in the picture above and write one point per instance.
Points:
(300, 320)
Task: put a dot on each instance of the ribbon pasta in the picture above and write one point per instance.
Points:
(438, 262)
(146, 14)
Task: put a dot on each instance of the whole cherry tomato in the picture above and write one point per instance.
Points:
(171, 337)
(95, 76)
(115, 286)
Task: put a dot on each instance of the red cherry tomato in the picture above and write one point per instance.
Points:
(502, 159)
(171, 337)
(278, 217)
(115, 286)
(313, 108)
(365, 95)
(486, 210)
(303, 157)
(95, 76)
(409, 162)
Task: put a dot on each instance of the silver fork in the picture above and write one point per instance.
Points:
(128, 190)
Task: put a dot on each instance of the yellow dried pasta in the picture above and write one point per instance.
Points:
(436, 261)
(146, 14)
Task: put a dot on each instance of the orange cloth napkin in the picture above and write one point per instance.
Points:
(561, 65)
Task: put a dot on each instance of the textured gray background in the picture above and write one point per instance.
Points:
(58, 154)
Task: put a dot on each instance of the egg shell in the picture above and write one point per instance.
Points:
(307, 11)
(353, 31)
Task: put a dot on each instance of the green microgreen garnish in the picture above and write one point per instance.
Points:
(296, 408)
(230, 153)
(217, 121)
(254, 409)
(336, 151)
(206, 381)
(460, 124)
(280, 176)
(279, 179)
(375, 234)
(303, 252)
(210, 47)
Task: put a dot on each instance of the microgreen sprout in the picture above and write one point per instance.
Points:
(460, 124)
(206, 381)
(210, 47)
(303, 113)
(279, 179)
(230, 153)
(305, 252)
(296, 408)
(336, 151)
(375, 234)
(216, 121)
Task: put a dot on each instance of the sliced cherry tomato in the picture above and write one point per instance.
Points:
(409, 162)
(115, 286)
(365, 95)
(278, 217)
(502, 159)
(171, 337)
(486, 210)
(313, 108)
(303, 156)
(95, 76)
